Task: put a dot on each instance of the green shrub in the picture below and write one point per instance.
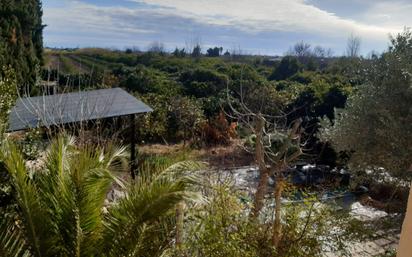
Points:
(221, 226)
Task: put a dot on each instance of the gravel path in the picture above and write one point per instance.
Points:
(387, 242)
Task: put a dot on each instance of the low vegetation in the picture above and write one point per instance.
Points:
(62, 195)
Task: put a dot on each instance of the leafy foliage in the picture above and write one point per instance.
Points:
(286, 68)
(214, 52)
(221, 227)
(61, 207)
(22, 39)
(8, 92)
(174, 118)
(376, 120)
(161, 80)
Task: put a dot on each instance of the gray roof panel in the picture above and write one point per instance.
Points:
(51, 110)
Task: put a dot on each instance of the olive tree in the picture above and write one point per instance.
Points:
(376, 125)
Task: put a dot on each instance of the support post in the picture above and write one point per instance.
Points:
(133, 162)
(405, 246)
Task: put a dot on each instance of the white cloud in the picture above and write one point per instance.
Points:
(80, 17)
(270, 15)
(173, 21)
(390, 14)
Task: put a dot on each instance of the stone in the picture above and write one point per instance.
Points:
(382, 242)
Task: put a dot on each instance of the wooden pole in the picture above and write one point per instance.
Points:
(133, 163)
(180, 208)
(405, 244)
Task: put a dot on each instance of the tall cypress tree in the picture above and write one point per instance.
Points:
(21, 38)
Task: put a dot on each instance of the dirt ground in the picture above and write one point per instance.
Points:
(229, 156)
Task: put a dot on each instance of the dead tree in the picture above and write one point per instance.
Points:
(353, 46)
(263, 169)
(276, 146)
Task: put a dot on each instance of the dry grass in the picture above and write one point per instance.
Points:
(218, 156)
(160, 149)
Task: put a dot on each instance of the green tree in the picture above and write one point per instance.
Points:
(286, 68)
(179, 52)
(197, 51)
(8, 89)
(202, 82)
(21, 34)
(148, 80)
(377, 120)
(214, 52)
(8, 94)
(154, 126)
(62, 212)
(187, 114)
(376, 124)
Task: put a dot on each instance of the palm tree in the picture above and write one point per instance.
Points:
(61, 208)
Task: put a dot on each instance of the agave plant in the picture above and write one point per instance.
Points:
(61, 207)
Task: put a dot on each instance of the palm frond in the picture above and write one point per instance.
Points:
(61, 207)
(91, 178)
(115, 157)
(151, 198)
(31, 211)
(12, 243)
(58, 154)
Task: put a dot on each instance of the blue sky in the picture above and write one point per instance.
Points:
(255, 26)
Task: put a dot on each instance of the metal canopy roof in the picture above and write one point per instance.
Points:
(51, 110)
